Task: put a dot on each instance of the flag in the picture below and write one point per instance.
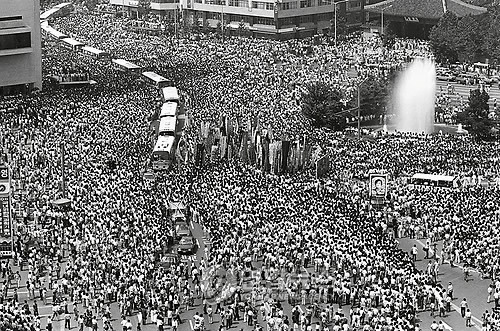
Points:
(284, 156)
(244, 148)
(222, 126)
(223, 146)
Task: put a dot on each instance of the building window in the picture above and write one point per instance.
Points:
(306, 19)
(287, 21)
(289, 5)
(15, 41)
(325, 2)
(306, 3)
(324, 17)
(262, 5)
(213, 16)
(264, 21)
(238, 3)
(164, 1)
(239, 18)
(353, 5)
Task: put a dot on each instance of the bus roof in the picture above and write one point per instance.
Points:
(62, 5)
(167, 124)
(164, 144)
(53, 32)
(170, 93)
(47, 14)
(126, 64)
(73, 42)
(154, 77)
(434, 177)
(168, 109)
(94, 51)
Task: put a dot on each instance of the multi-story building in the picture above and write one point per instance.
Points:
(20, 46)
(275, 19)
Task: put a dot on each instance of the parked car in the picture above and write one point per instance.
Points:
(187, 245)
(445, 76)
(466, 78)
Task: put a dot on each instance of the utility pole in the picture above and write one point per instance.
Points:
(222, 23)
(359, 112)
(62, 170)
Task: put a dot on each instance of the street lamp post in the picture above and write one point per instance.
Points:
(359, 106)
(335, 3)
(382, 21)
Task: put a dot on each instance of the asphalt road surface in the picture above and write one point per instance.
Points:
(475, 290)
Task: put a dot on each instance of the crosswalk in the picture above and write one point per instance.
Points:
(462, 92)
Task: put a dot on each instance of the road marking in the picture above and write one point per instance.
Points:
(446, 261)
(446, 326)
(198, 242)
(477, 321)
(10, 291)
(191, 324)
(192, 225)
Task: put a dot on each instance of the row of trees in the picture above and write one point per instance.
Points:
(467, 39)
(322, 104)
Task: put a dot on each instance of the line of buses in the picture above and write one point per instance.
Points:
(164, 150)
(167, 136)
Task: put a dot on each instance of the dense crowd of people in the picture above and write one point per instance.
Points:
(271, 227)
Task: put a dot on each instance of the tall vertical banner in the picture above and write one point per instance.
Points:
(6, 232)
(322, 166)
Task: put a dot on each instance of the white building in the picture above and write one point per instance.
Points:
(20, 46)
(275, 19)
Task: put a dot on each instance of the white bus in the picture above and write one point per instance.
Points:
(72, 44)
(53, 33)
(124, 65)
(168, 109)
(95, 53)
(435, 180)
(167, 126)
(163, 153)
(155, 80)
(170, 94)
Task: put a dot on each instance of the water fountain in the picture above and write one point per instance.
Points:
(414, 97)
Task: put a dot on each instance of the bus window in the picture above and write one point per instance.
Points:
(156, 80)
(167, 126)
(170, 94)
(163, 153)
(168, 109)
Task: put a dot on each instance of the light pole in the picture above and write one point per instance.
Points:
(359, 106)
(222, 22)
(335, 3)
(382, 21)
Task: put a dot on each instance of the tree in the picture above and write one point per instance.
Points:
(468, 39)
(443, 36)
(491, 41)
(206, 26)
(219, 28)
(374, 93)
(475, 117)
(144, 7)
(91, 4)
(241, 28)
(196, 22)
(321, 103)
(342, 29)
